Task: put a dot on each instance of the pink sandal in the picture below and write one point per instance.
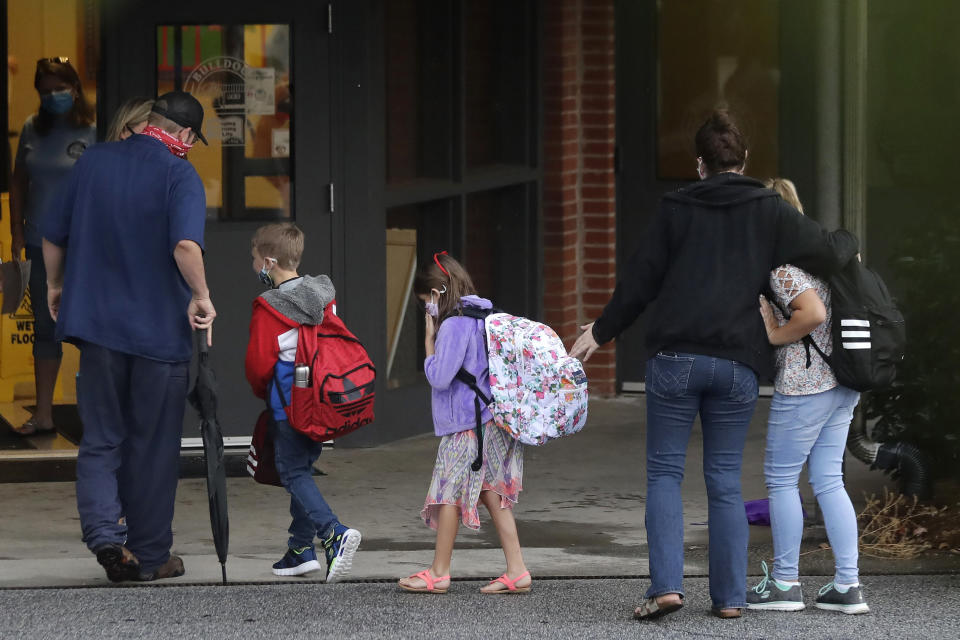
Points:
(430, 580)
(510, 584)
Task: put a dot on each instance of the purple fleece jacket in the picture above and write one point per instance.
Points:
(460, 343)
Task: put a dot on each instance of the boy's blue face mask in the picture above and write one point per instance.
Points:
(264, 274)
(57, 102)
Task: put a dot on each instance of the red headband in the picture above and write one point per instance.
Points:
(436, 258)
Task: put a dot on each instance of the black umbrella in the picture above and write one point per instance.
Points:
(204, 399)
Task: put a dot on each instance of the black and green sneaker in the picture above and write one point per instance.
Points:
(296, 562)
(772, 595)
(340, 548)
(850, 601)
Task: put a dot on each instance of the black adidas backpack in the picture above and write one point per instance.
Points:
(868, 331)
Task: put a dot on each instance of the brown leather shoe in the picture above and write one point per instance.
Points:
(119, 562)
(172, 568)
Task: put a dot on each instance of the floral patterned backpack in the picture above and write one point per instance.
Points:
(539, 392)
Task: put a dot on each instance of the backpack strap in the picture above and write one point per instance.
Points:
(807, 340)
(810, 342)
(470, 380)
(479, 314)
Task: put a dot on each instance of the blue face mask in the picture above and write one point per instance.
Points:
(265, 278)
(58, 102)
(264, 275)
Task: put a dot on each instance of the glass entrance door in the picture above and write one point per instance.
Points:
(241, 73)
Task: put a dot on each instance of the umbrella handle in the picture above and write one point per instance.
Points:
(200, 336)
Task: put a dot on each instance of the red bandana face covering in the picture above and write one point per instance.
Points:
(176, 147)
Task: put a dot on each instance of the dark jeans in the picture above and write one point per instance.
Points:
(45, 346)
(129, 459)
(724, 393)
(295, 454)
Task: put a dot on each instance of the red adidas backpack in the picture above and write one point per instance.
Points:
(336, 395)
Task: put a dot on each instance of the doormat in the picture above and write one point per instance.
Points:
(10, 441)
(66, 470)
(67, 419)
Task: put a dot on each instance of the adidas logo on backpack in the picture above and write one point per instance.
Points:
(868, 331)
(539, 393)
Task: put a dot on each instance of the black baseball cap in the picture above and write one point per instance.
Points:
(182, 108)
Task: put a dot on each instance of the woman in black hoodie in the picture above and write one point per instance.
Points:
(699, 273)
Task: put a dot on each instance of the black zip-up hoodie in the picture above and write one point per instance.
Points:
(705, 260)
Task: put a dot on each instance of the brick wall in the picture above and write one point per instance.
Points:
(579, 198)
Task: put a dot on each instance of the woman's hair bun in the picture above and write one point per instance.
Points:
(720, 143)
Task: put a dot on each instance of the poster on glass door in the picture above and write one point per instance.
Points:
(236, 91)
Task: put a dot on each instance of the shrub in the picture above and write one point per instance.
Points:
(923, 407)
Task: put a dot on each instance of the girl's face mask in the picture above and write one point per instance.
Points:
(431, 307)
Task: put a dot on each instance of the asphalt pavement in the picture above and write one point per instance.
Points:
(901, 607)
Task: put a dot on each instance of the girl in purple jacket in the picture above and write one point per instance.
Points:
(452, 342)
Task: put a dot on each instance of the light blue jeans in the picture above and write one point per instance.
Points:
(810, 429)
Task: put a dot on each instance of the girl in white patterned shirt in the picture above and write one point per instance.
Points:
(809, 419)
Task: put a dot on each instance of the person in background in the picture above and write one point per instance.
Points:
(810, 416)
(130, 118)
(701, 269)
(50, 143)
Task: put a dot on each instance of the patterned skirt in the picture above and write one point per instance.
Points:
(454, 482)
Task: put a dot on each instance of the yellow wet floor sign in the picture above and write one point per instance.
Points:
(16, 341)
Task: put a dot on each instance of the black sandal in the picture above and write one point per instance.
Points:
(32, 428)
(651, 609)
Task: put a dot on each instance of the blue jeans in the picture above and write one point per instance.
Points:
(129, 458)
(295, 454)
(724, 393)
(45, 345)
(811, 429)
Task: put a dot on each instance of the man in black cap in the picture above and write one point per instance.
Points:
(178, 108)
(124, 255)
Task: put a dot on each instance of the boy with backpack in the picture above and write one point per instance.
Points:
(293, 304)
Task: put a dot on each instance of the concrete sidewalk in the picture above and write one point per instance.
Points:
(580, 514)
